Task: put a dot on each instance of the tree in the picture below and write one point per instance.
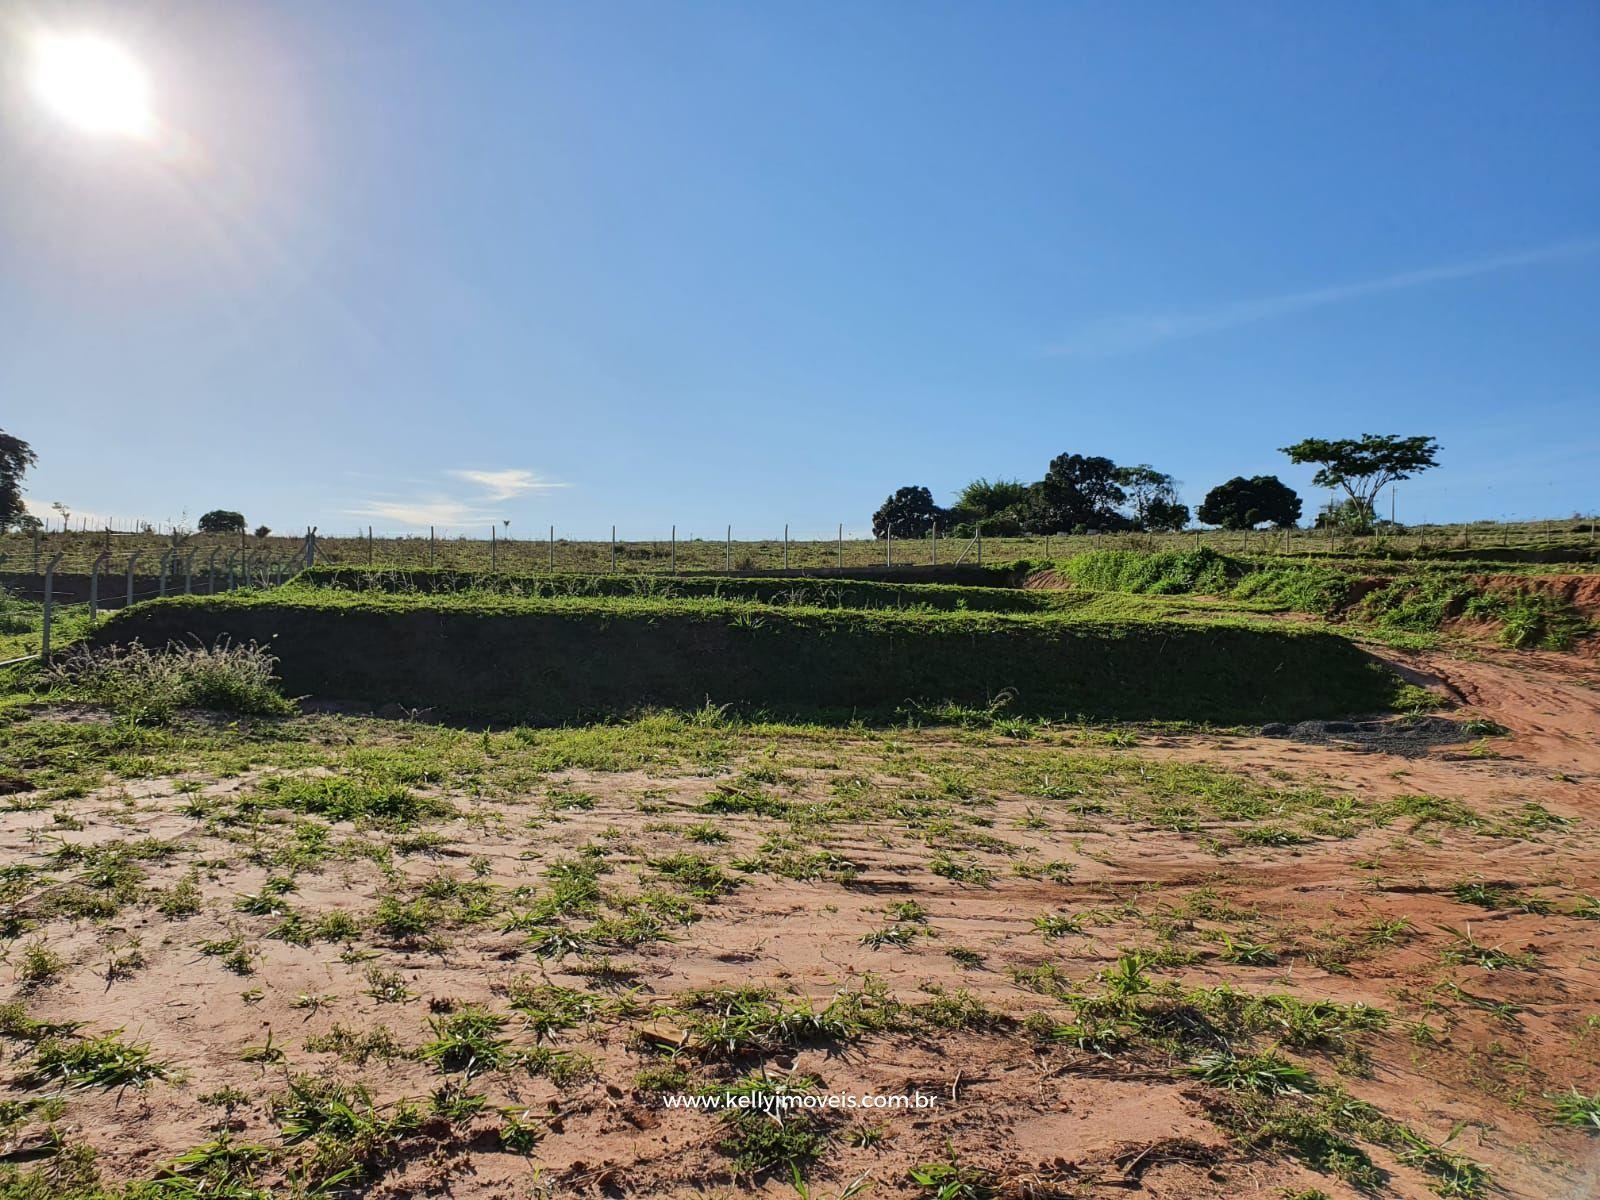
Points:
(262, 531)
(16, 456)
(1244, 503)
(222, 520)
(1164, 515)
(1154, 497)
(1364, 467)
(1079, 491)
(1000, 507)
(909, 513)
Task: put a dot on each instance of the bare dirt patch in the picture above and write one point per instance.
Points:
(388, 959)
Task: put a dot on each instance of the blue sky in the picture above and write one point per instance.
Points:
(652, 263)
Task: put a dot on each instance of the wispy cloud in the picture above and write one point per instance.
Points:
(424, 503)
(503, 485)
(421, 511)
(1123, 335)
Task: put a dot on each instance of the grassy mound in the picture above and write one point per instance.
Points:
(823, 592)
(1422, 599)
(555, 660)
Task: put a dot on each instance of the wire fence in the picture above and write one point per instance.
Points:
(675, 549)
(106, 569)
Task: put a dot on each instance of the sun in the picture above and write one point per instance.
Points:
(93, 84)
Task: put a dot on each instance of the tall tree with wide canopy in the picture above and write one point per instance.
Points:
(1080, 490)
(1364, 466)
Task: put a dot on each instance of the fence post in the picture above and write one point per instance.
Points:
(233, 571)
(494, 549)
(730, 550)
(674, 559)
(785, 547)
(311, 547)
(888, 544)
(35, 549)
(430, 545)
(211, 571)
(94, 584)
(369, 545)
(49, 604)
(188, 572)
(933, 549)
(132, 558)
(161, 572)
(980, 545)
(841, 545)
(552, 559)
(613, 549)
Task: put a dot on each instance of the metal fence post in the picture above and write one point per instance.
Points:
(133, 558)
(49, 605)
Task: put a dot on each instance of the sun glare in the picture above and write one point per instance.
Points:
(93, 84)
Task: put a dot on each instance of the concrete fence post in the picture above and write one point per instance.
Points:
(132, 559)
(49, 606)
(161, 576)
(888, 545)
(211, 572)
(841, 545)
(35, 549)
(785, 547)
(188, 572)
(933, 547)
(94, 584)
(430, 545)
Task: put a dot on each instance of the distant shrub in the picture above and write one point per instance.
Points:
(151, 685)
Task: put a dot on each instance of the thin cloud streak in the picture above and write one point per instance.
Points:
(420, 512)
(503, 485)
(432, 507)
(1124, 335)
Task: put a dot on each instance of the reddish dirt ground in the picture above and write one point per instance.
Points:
(1466, 1060)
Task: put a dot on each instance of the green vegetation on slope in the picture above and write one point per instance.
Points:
(557, 659)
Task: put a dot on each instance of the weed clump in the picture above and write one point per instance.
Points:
(152, 685)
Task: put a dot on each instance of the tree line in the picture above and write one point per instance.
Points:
(1084, 493)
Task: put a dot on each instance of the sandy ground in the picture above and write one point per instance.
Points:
(1032, 1117)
